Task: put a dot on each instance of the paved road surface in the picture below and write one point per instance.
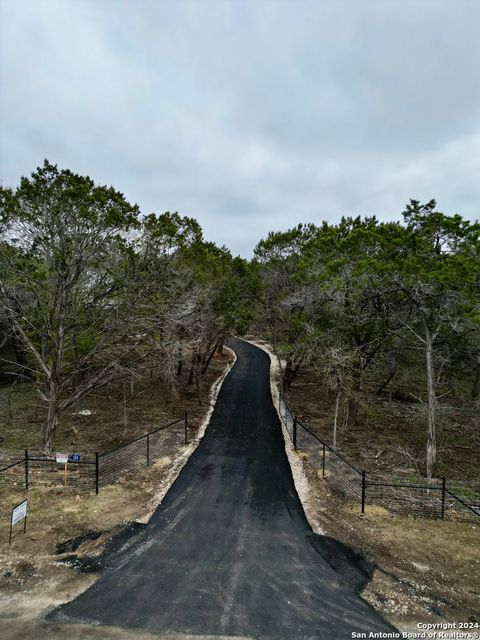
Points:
(229, 551)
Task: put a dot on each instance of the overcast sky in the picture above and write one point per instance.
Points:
(249, 116)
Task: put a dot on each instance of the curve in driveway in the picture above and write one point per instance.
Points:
(229, 551)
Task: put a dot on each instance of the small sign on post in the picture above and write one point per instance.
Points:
(19, 513)
(62, 458)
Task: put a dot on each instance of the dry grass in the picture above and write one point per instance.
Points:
(151, 405)
(425, 570)
(390, 436)
(31, 578)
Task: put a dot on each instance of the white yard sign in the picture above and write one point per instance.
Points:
(61, 458)
(19, 512)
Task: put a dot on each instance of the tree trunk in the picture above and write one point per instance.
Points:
(290, 374)
(286, 373)
(206, 364)
(192, 371)
(356, 387)
(293, 374)
(476, 381)
(180, 361)
(9, 406)
(346, 414)
(392, 370)
(476, 419)
(20, 355)
(431, 405)
(52, 419)
(197, 383)
(125, 413)
(335, 420)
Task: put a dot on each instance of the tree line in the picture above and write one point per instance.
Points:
(92, 292)
(367, 303)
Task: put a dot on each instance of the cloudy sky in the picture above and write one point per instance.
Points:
(249, 116)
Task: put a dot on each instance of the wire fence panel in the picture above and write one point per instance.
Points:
(165, 440)
(125, 460)
(424, 500)
(467, 495)
(458, 509)
(427, 499)
(88, 473)
(13, 474)
(8, 456)
(12, 469)
(130, 458)
(344, 478)
(46, 472)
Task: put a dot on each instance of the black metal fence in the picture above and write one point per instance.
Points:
(427, 499)
(92, 471)
(141, 452)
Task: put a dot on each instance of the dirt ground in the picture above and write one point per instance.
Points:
(33, 578)
(150, 404)
(390, 435)
(425, 570)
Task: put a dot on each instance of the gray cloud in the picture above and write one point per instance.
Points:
(249, 116)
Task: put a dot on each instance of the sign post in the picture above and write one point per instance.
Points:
(19, 512)
(62, 458)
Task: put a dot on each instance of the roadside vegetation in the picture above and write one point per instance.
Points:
(98, 301)
(383, 319)
(57, 514)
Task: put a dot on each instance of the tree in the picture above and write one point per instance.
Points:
(285, 299)
(62, 292)
(214, 301)
(362, 295)
(346, 265)
(438, 272)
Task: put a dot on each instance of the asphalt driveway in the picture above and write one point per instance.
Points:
(229, 551)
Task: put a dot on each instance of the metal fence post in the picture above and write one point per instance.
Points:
(443, 498)
(363, 491)
(148, 449)
(323, 461)
(295, 433)
(26, 469)
(97, 475)
(186, 428)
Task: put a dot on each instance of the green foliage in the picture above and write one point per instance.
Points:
(90, 291)
(360, 295)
